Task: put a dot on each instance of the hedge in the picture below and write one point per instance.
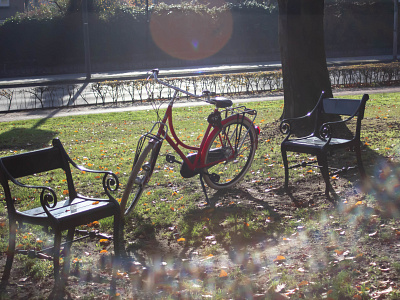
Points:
(123, 40)
(133, 91)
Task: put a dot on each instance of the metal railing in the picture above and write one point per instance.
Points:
(133, 91)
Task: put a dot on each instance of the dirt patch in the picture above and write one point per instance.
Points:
(246, 268)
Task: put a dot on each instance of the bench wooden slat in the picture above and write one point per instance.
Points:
(64, 208)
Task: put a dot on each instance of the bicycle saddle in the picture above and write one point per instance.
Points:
(221, 102)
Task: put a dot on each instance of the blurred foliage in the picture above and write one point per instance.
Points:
(49, 38)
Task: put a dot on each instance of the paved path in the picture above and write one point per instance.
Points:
(62, 112)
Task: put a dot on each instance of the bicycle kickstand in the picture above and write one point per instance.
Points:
(204, 189)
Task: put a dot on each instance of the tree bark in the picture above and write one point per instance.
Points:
(304, 68)
(74, 6)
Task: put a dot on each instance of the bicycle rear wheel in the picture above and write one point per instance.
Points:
(142, 170)
(234, 146)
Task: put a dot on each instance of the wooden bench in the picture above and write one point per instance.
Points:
(52, 212)
(326, 136)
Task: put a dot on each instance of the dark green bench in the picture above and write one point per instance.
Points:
(58, 215)
(326, 136)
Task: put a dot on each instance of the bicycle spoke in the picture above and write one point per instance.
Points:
(236, 146)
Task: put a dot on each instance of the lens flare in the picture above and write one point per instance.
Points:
(195, 44)
(386, 188)
(191, 35)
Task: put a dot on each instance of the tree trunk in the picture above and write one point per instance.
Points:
(304, 68)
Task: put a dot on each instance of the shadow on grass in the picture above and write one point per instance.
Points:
(27, 138)
(343, 164)
(237, 220)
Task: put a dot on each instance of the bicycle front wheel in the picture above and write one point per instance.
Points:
(142, 170)
(234, 147)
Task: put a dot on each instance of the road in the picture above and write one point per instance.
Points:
(129, 75)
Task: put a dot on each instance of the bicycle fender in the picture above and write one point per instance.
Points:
(217, 129)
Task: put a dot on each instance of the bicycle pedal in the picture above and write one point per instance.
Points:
(171, 159)
(139, 180)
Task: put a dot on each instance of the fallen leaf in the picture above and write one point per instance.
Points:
(279, 258)
(359, 256)
(291, 292)
(304, 282)
(339, 252)
(223, 274)
(104, 242)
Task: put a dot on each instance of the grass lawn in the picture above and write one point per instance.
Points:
(257, 242)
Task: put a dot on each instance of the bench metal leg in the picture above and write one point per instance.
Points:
(119, 251)
(323, 163)
(285, 163)
(118, 235)
(56, 256)
(10, 252)
(67, 256)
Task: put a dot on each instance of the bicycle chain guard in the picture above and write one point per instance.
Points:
(185, 171)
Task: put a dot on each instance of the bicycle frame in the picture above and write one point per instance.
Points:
(150, 143)
(162, 133)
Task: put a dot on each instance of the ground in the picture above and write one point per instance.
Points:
(162, 265)
(343, 242)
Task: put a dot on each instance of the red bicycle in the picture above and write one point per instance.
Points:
(224, 156)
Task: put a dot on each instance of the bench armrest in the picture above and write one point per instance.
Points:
(110, 179)
(286, 125)
(325, 130)
(48, 197)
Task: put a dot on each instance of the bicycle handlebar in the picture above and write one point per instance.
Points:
(206, 94)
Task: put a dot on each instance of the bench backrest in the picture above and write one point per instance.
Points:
(346, 107)
(35, 162)
(29, 163)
